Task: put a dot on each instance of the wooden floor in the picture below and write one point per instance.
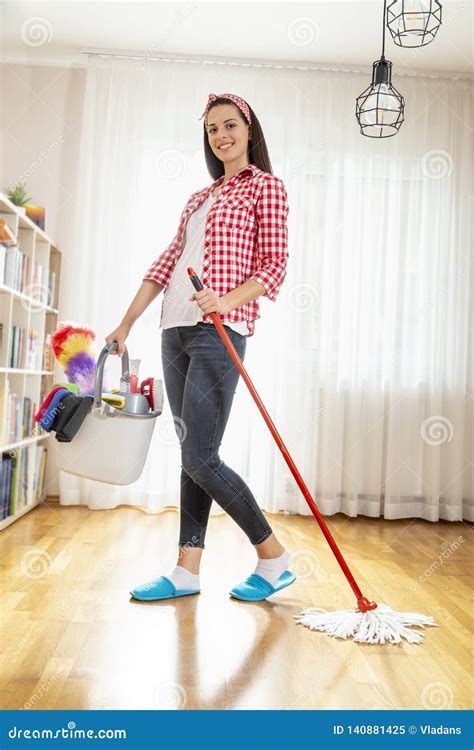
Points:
(73, 638)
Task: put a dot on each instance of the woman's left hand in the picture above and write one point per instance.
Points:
(209, 301)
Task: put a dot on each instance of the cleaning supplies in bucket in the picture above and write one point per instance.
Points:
(113, 441)
(73, 347)
(63, 411)
(135, 402)
(153, 389)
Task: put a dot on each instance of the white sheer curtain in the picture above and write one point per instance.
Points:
(365, 360)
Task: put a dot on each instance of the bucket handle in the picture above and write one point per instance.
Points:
(109, 347)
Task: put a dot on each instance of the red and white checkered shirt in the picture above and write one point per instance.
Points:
(245, 237)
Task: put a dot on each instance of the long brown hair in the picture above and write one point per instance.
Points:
(257, 148)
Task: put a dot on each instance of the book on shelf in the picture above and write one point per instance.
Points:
(9, 475)
(48, 354)
(43, 284)
(22, 487)
(40, 471)
(6, 467)
(16, 359)
(25, 350)
(31, 354)
(19, 486)
(20, 421)
(51, 288)
(15, 269)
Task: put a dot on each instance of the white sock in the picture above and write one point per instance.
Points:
(183, 578)
(272, 568)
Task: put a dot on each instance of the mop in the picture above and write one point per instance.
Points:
(369, 622)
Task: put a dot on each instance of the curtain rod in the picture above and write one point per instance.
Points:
(266, 63)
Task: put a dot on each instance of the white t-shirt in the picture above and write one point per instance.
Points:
(177, 310)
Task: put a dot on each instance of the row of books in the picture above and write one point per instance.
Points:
(20, 421)
(26, 351)
(42, 284)
(47, 360)
(20, 272)
(21, 478)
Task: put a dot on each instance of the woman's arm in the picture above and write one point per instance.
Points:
(145, 295)
(209, 301)
(243, 293)
(272, 238)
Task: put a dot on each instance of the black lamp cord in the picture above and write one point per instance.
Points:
(383, 29)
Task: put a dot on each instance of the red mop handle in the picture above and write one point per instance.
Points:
(362, 603)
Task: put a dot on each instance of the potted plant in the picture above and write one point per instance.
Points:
(18, 196)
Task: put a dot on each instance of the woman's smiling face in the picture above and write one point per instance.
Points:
(228, 134)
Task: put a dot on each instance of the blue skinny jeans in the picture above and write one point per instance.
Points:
(200, 380)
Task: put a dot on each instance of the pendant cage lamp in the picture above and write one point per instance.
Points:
(380, 108)
(413, 23)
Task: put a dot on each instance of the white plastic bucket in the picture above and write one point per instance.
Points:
(109, 446)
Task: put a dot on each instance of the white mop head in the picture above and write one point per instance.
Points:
(378, 625)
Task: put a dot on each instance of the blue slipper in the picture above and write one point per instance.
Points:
(255, 588)
(160, 588)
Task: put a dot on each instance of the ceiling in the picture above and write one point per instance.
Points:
(336, 34)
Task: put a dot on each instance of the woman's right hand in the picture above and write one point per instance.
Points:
(119, 335)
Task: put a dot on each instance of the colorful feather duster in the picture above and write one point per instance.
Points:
(73, 347)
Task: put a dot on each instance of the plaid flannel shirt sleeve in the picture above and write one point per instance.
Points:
(272, 238)
(162, 268)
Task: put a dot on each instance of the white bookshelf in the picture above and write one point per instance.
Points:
(33, 309)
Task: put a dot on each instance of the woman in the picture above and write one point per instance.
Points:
(234, 234)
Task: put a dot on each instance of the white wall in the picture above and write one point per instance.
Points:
(40, 121)
(41, 118)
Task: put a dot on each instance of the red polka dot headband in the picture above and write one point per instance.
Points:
(243, 106)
